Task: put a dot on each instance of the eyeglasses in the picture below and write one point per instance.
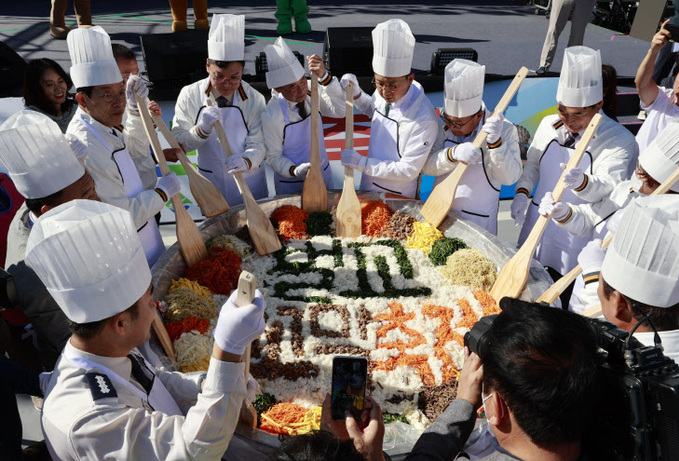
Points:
(386, 86)
(110, 96)
(456, 124)
(231, 80)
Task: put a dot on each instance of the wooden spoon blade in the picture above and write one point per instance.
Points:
(314, 191)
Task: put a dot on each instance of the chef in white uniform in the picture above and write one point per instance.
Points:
(105, 401)
(661, 104)
(498, 162)
(640, 272)
(110, 151)
(236, 104)
(608, 160)
(286, 122)
(404, 126)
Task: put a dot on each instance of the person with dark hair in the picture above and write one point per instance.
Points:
(237, 105)
(639, 279)
(45, 90)
(317, 446)
(127, 61)
(610, 80)
(104, 400)
(661, 104)
(537, 383)
(44, 189)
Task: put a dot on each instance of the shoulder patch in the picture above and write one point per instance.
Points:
(100, 385)
(558, 124)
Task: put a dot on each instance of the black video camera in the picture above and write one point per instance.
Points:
(639, 408)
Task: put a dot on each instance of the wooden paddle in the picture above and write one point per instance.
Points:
(594, 311)
(208, 197)
(348, 213)
(514, 275)
(441, 199)
(189, 238)
(560, 285)
(314, 192)
(261, 230)
(245, 295)
(161, 332)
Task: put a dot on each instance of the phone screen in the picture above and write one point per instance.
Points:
(348, 385)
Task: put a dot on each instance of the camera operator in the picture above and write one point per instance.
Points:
(640, 273)
(536, 375)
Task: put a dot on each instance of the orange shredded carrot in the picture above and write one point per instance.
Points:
(444, 334)
(175, 329)
(281, 418)
(291, 222)
(487, 302)
(375, 217)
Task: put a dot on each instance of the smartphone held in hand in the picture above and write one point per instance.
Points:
(349, 376)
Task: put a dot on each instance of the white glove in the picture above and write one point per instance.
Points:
(518, 208)
(236, 164)
(253, 390)
(207, 118)
(346, 78)
(353, 159)
(573, 178)
(556, 211)
(239, 326)
(614, 221)
(169, 184)
(467, 152)
(493, 127)
(591, 257)
(77, 147)
(135, 85)
(301, 170)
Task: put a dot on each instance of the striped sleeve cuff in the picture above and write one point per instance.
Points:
(523, 190)
(565, 218)
(590, 277)
(325, 81)
(201, 134)
(292, 170)
(249, 162)
(449, 154)
(495, 145)
(162, 194)
(583, 185)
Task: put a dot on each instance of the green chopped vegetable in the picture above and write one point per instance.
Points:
(319, 223)
(443, 248)
(263, 402)
(392, 418)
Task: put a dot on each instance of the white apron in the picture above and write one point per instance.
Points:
(475, 198)
(159, 399)
(211, 157)
(384, 146)
(558, 248)
(296, 147)
(150, 237)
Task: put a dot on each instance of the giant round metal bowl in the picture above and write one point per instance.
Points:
(171, 265)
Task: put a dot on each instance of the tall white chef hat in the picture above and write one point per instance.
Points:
(226, 41)
(661, 157)
(92, 61)
(37, 155)
(463, 87)
(283, 66)
(642, 261)
(580, 83)
(90, 258)
(393, 47)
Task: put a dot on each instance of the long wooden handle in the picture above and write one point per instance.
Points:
(152, 136)
(315, 153)
(560, 285)
(514, 275)
(442, 197)
(314, 191)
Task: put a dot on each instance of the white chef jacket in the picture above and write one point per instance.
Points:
(669, 338)
(331, 103)
(189, 104)
(501, 165)
(417, 132)
(81, 423)
(613, 150)
(588, 219)
(107, 179)
(658, 114)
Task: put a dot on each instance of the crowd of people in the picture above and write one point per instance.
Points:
(81, 247)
